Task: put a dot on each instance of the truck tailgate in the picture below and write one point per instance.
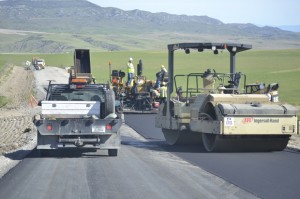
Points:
(70, 109)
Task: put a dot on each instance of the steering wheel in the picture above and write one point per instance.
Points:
(216, 75)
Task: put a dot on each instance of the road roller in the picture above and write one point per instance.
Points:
(220, 111)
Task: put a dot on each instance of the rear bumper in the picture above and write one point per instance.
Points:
(78, 133)
(110, 141)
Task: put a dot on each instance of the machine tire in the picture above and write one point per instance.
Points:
(113, 152)
(176, 137)
(209, 141)
(109, 102)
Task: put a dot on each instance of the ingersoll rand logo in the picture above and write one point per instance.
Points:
(247, 120)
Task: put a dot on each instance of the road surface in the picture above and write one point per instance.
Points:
(142, 170)
(267, 175)
(148, 168)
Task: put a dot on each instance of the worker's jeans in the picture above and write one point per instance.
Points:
(157, 83)
(130, 77)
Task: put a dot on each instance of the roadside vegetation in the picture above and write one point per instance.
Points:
(3, 101)
(2, 64)
(268, 66)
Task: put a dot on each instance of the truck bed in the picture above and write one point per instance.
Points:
(70, 109)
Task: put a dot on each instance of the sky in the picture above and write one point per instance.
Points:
(258, 12)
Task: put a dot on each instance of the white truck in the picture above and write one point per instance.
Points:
(78, 114)
(38, 63)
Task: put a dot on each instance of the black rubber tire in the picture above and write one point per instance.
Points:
(109, 102)
(102, 110)
(113, 152)
(209, 141)
(176, 137)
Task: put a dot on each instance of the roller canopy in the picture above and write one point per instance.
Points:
(231, 47)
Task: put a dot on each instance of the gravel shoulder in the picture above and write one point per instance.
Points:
(17, 132)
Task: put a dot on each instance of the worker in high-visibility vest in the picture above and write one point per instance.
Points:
(163, 93)
(130, 71)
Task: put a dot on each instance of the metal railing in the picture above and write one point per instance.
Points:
(196, 83)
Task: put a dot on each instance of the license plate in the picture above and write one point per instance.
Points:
(98, 129)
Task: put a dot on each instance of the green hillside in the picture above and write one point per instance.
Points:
(282, 66)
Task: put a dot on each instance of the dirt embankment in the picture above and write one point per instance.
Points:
(17, 84)
(16, 127)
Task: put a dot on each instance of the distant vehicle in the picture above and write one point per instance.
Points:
(79, 114)
(38, 63)
(221, 111)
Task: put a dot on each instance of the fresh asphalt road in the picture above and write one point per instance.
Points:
(142, 170)
(266, 175)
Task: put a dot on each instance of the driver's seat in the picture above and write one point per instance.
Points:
(234, 84)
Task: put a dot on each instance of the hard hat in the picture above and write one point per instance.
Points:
(162, 66)
(130, 59)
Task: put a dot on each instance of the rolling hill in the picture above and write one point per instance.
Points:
(49, 26)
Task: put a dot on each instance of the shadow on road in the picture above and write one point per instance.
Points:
(59, 153)
(17, 155)
(162, 146)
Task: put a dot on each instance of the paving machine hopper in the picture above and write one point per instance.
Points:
(81, 73)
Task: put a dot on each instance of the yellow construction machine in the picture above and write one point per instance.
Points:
(139, 97)
(221, 111)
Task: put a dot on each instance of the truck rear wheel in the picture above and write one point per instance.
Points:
(113, 152)
(109, 102)
(109, 105)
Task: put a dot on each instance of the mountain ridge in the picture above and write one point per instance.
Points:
(102, 27)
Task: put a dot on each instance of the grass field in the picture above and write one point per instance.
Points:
(282, 66)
